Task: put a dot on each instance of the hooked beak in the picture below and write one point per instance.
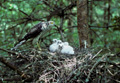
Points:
(56, 25)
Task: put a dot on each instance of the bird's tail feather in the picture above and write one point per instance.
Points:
(19, 44)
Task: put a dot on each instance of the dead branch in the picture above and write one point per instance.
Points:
(13, 67)
(8, 51)
(15, 78)
(15, 53)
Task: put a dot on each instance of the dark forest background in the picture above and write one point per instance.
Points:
(103, 22)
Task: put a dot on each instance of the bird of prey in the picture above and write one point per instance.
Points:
(35, 31)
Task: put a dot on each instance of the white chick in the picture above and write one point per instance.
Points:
(54, 46)
(66, 48)
(55, 40)
(66, 43)
(59, 42)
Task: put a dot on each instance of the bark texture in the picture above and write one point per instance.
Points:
(82, 21)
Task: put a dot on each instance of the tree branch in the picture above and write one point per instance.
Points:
(8, 51)
(15, 78)
(59, 11)
(21, 73)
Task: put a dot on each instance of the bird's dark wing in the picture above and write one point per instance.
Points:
(35, 31)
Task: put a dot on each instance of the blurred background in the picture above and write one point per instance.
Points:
(17, 17)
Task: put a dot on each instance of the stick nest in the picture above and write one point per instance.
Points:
(45, 67)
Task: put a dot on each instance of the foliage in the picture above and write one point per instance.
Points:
(17, 17)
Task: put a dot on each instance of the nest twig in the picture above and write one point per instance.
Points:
(43, 66)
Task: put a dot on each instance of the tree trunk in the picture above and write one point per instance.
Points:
(82, 21)
(70, 31)
(109, 13)
(91, 12)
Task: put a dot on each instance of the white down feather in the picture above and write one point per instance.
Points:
(54, 46)
(66, 48)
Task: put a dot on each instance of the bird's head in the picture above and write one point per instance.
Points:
(51, 23)
(60, 46)
(59, 42)
(47, 25)
(66, 43)
(54, 40)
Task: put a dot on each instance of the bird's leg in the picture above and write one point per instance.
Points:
(38, 45)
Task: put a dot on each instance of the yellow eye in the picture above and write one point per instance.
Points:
(51, 23)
